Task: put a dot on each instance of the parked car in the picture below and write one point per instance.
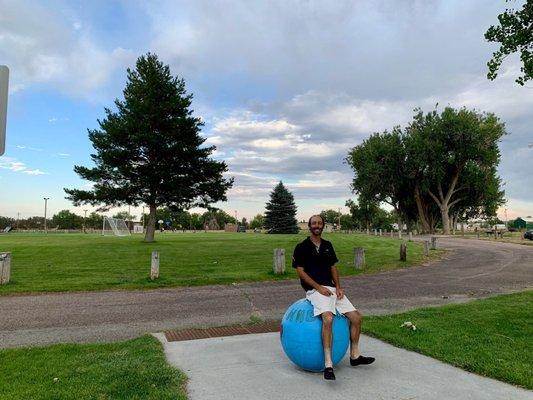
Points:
(528, 235)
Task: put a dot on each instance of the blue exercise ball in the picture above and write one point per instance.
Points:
(301, 337)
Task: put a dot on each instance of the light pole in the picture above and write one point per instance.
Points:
(45, 204)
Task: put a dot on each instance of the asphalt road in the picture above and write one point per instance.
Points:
(472, 269)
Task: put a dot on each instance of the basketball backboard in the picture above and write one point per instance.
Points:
(4, 79)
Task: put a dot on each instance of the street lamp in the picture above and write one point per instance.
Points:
(45, 204)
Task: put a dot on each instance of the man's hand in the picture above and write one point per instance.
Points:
(324, 291)
(340, 293)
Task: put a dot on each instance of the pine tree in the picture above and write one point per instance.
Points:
(150, 150)
(280, 215)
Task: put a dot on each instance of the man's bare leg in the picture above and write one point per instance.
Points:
(356, 318)
(327, 334)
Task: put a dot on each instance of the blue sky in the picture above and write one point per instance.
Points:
(285, 88)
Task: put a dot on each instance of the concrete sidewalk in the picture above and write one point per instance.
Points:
(254, 367)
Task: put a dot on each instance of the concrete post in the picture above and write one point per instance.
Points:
(359, 257)
(278, 264)
(5, 268)
(426, 248)
(403, 252)
(410, 236)
(154, 270)
(433, 242)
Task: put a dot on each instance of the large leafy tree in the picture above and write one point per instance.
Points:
(444, 146)
(381, 175)
(149, 151)
(367, 214)
(65, 219)
(330, 216)
(6, 221)
(514, 34)
(280, 215)
(441, 165)
(257, 222)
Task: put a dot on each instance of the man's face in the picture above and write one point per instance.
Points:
(316, 226)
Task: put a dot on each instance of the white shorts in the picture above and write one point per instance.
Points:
(323, 303)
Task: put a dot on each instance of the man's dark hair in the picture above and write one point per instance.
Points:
(317, 215)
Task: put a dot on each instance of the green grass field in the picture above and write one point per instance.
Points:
(508, 237)
(68, 262)
(490, 337)
(135, 369)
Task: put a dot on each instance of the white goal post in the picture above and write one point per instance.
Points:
(114, 226)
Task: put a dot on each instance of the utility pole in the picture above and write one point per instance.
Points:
(45, 204)
(84, 218)
(506, 217)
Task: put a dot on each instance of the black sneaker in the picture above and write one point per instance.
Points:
(361, 360)
(328, 374)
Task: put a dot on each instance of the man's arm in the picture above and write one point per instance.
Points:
(310, 281)
(336, 279)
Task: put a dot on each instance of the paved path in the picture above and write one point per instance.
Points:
(254, 367)
(472, 269)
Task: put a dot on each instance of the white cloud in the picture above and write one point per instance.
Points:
(14, 165)
(33, 172)
(41, 46)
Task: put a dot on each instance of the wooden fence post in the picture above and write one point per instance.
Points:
(433, 242)
(392, 233)
(403, 252)
(380, 232)
(410, 236)
(154, 269)
(426, 248)
(5, 268)
(400, 234)
(359, 257)
(279, 261)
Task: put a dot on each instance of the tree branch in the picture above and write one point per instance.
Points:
(454, 202)
(434, 198)
(440, 192)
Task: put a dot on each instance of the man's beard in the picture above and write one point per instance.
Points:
(317, 231)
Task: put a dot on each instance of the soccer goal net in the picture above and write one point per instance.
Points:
(115, 226)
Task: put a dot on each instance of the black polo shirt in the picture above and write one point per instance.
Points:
(316, 264)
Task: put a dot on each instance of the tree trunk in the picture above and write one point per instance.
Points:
(445, 220)
(421, 211)
(150, 227)
(444, 201)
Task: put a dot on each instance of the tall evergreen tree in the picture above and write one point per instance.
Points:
(280, 215)
(150, 150)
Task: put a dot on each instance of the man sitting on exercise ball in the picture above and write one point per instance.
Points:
(314, 260)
